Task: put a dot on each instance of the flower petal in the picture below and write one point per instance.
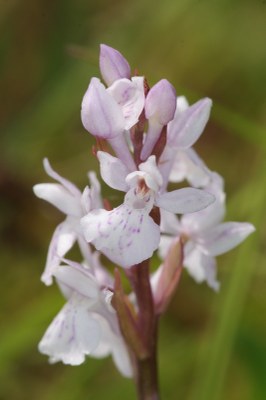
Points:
(64, 182)
(161, 102)
(225, 237)
(59, 197)
(100, 113)
(200, 221)
(127, 234)
(72, 335)
(113, 65)
(78, 279)
(186, 200)
(62, 241)
(160, 108)
(113, 171)
(129, 95)
(200, 266)
(187, 126)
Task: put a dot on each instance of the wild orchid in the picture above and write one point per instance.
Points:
(144, 141)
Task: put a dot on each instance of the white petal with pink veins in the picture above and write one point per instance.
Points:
(127, 234)
(129, 95)
(73, 334)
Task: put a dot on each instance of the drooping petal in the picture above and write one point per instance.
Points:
(225, 237)
(200, 266)
(186, 200)
(112, 343)
(59, 197)
(129, 94)
(73, 334)
(64, 182)
(113, 171)
(100, 113)
(187, 127)
(113, 65)
(121, 358)
(127, 234)
(62, 241)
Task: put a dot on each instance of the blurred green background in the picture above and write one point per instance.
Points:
(212, 347)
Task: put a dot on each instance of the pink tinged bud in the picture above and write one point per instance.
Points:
(161, 102)
(188, 125)
(100, 113)
(160, 109)
(113, 65)
(167, 277)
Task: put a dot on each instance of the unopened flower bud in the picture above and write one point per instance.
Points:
(113, 65)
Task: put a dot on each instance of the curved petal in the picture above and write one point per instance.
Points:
(186, 127)
(225, 237)
(186, 200)
(64, 182)
(62, 241)
(72, 335)
(113, 65)
(113, 171)
(59, 197)
(100, 113)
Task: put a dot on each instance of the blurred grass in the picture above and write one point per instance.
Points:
(212, 347)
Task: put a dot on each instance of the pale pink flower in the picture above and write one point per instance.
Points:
(127, 234)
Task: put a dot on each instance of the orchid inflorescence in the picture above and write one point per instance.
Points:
(144, 141)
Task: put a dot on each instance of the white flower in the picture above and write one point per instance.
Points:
(87, 324)
(68, 199)
(127, 234)
(204, 235)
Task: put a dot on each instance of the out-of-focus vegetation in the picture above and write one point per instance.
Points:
(212, 347)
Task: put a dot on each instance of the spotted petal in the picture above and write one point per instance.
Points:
(127, 234)
(73, 334)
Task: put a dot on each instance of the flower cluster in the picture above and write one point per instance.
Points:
(144, 141)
